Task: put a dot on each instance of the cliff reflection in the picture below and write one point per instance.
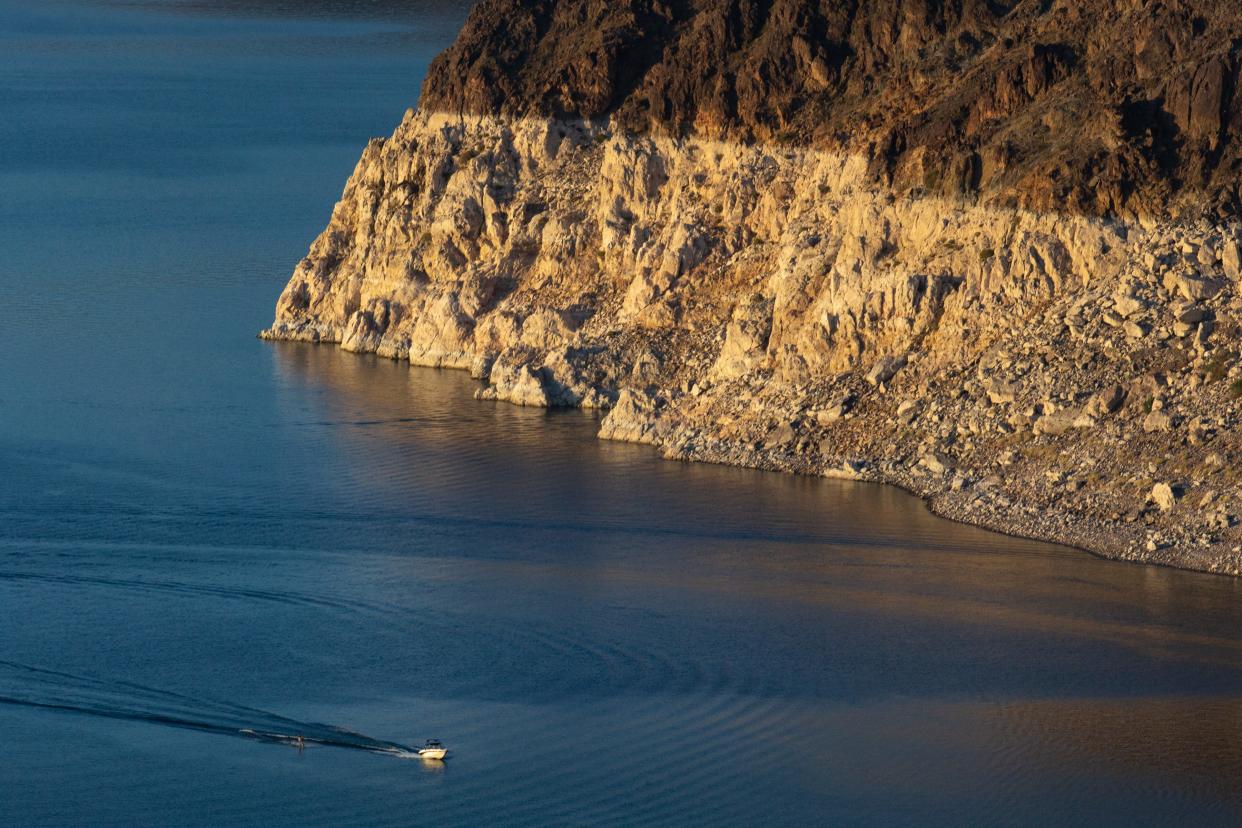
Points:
(417, 437)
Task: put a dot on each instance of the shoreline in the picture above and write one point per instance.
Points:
(934, 502)
(1099, 541)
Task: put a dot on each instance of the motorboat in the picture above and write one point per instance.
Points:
(434, 749)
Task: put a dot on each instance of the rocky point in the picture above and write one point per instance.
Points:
(986, 251)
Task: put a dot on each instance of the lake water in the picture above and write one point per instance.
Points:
(205, 538)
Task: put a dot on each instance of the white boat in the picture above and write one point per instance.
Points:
(433, 750)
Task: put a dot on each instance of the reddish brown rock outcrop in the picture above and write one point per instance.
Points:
(1117, 107)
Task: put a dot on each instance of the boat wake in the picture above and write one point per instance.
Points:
(24, 685)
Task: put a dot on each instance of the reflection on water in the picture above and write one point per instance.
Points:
(872, 544)
(1185, 743)
(202, 534)
(410, 562)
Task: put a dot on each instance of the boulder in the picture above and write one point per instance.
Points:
(781, 435)
(1192, 288)
(1164, 496)
(1059, 422)
(835, 410)
(908, 410)
(1127, 305)
(934, 463)
(632, 419)
(1191, 314)
(1157, 421)
(1231, 259)
(518, 383)
(1002, 392)
(746, 338)
(848, 469)
(1106, 401)
(885, 369)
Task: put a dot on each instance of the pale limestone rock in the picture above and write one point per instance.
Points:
(848, 469)
(1191, 288)
(835, 410)
(546, 329)
(1206, 256)
(1002, 392)
(1231, 259)
(632, 419)
(1059, 422)
(516, 382)
(746, 339)
(781, 435)
(1128, 306)
(441, 335)
(1164, 496)
(1157, 421)
(460, 222)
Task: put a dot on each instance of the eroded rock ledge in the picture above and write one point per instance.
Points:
(1053, 375)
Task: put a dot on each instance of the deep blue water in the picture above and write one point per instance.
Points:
(203, 535)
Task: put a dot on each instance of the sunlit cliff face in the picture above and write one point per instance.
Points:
(735, 302)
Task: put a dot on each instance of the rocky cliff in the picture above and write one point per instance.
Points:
(986, 251)
(1120, 107)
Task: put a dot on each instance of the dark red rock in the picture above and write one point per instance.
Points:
(1105, 106)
